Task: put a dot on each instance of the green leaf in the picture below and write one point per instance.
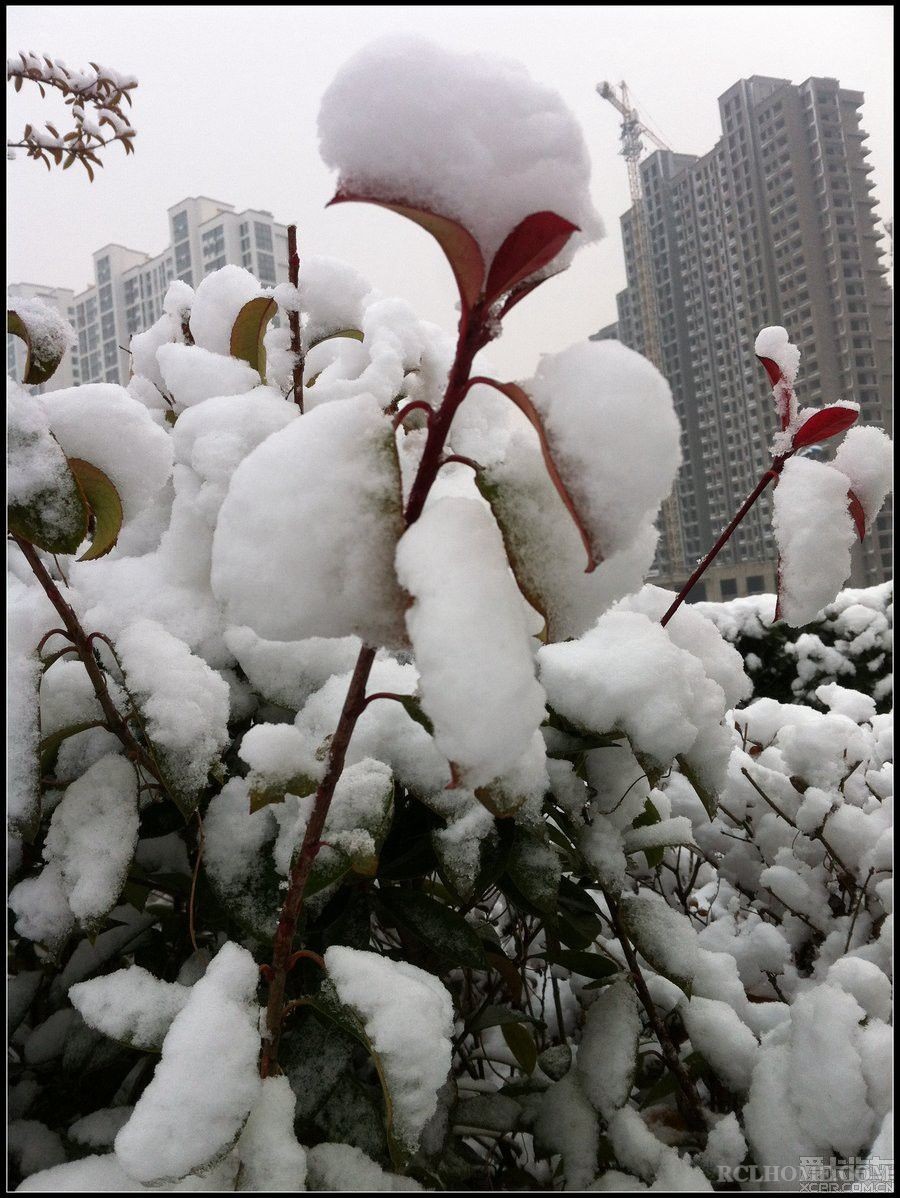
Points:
(441, 929)
(707, 797)
(40, 365)
(262, 795)
(521, 1044)
(413, 708)
(496, 1016)
(248, 331)
(589, 965)
(326, 1004)
(646, 819)
(105, 507)
(354, 334)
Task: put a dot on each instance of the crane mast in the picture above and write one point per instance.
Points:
(633, 130)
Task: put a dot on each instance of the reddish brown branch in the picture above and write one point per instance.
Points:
(770, 475)
(474, 334)
(689, 1099)
(294, 318)
(82, 644)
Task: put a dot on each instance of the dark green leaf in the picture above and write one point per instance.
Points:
(520, 1042)
(442, 929)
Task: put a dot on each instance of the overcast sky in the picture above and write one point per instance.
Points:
(229, 95)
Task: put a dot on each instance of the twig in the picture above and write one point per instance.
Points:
(294, 318)
(196, 874)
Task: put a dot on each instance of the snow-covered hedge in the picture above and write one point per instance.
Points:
(850, 643)
(372, 825)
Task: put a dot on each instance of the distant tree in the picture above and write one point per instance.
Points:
(95, 96)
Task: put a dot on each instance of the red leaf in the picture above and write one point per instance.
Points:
(459, 246)
(533, 243)
(825, 423)
(856, 511)
(773, 370)
(514, 392)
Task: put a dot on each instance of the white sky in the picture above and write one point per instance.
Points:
(229, 95)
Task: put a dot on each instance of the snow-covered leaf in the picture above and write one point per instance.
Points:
(207, 1079)
(130, 1005)
(322, 498)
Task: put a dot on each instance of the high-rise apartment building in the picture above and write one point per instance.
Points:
(774, 225)
(129, 285)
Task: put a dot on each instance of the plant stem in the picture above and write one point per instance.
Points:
(294, 317)
(303, 862)
(770, 475)
(82, 643)
(473, 335)
(689, 1100)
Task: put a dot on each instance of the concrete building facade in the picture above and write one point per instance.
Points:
(774, 225)
(127, 294)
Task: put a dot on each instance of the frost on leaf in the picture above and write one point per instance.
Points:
(408, 1017)
(207, 1079)
(92, 837)
(130, 1005)
(468, 630)
(321, 498)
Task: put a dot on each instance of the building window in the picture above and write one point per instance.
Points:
(103, 271)
(756, 584)
(266, 267)
(182, 258)
(179, 226)
(728, 588)
(263, 235)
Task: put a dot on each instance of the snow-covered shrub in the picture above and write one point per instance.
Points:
(372, 825)
(851, 643)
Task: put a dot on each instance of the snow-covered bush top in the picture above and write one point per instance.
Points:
(372, 825)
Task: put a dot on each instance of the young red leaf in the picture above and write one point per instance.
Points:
(459, 246)
(856, 511)
(514, 392)
(773, 370)
(533, 243)
(825, 423)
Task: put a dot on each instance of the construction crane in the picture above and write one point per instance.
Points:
(632, 132)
